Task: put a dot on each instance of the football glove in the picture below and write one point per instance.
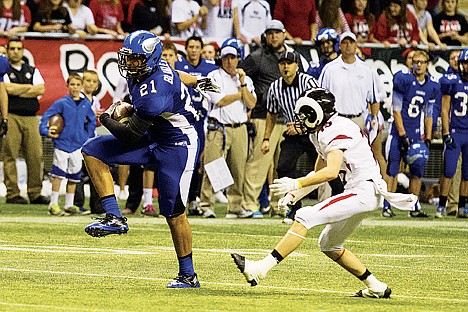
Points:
(284, 185)
(204, 85)
(449, 142)
(405, 143)
(110, 111)
(285, 202)
(4, 127)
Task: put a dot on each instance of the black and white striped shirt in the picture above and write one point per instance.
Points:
(282, 97)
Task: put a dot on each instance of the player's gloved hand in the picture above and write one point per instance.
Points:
(449, 142)
(428, 143)
(110, 111)
(285, 202)
(284, 185)
(4, 127)
(405, 143)
(205, 84)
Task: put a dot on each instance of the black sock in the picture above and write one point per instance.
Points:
(462, 201)
(277, 256)
(443, 201)
(365, 275)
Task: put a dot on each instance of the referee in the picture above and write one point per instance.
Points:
(281, 101)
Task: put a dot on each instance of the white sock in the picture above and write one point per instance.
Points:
(373, 283)
(54, 198)
(267, 263)
(69, 197)
(147, 196)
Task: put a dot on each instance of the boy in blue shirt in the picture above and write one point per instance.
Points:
(79, 125)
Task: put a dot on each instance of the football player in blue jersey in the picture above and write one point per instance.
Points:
(161, 132)
(414, 95)
(455, 134)
(326, 42)
(4, 68)
(197, 66)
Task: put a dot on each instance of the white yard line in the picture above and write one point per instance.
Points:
(51, 307)
(449, 224)
(92, 250)
(245, 285)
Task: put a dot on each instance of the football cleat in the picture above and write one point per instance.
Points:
(55, 210)
(110, 224)
(417, 214)
(149, 211)
(72, 210)
(440, 213)
(462, 212)
(184, 281)
(248, 268)
(368, 293)
(388, 213)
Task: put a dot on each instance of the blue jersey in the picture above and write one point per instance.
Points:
(79, 122)
(163, 98)
(202, 69)
(4, 66)
(411, 99)
(457, 89)
(315, 69)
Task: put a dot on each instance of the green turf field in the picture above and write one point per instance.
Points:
(50, 264)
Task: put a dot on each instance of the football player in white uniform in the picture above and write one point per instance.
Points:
(341, 145)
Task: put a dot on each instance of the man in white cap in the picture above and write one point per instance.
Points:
(352, 82)
(262, 66)
(227, 130)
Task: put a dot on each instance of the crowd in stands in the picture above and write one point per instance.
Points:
(248, 107)
(378, 21)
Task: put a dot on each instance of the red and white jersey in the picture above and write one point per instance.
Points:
(7, 22)
(341, 133)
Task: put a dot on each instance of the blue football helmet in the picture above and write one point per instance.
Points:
(139, 54)
(418, 154)
(233, 42)
(463, 64)
(323, 35)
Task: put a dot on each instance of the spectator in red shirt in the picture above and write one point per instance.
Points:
(298, 17)
(108, 15)
(396, 25)
(14, 17)
(360, 20)
(331, 15)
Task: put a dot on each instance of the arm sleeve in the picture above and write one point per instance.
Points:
(272, 103)
(55, 108)
(130, 133)
(398, 93)
(90, 122)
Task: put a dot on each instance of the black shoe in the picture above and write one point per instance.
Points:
(417, 214)
(41, 200)
(17, 200)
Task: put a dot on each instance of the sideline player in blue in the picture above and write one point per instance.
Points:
(455, 133)
(414, 95)
(4, 69)
(197, 66)
(327, 44)
(161, 133)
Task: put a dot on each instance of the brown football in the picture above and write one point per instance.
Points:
(123, 112)
(56, 121)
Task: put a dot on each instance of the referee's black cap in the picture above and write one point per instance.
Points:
(289, 56)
